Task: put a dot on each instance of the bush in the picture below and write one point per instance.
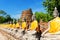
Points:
(44, 16)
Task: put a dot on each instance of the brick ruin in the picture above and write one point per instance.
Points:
(27, 15)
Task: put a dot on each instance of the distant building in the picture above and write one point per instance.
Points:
(27, 15)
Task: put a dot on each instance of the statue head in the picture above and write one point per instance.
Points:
(55, 12)
(33, 17)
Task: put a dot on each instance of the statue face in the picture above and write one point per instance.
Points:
(55, 15)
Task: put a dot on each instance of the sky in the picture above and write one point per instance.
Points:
(15, 7)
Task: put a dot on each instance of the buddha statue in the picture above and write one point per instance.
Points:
(34, 23)
(10, 24)
(17, 24)
(53, 27)
(13, 25)
(23, 24)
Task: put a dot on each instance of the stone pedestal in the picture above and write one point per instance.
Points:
(50, 37)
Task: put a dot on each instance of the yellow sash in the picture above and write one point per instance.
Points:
(13, 26)
(10, 25)
(23, 25)
(34, 25)
(17, 25)
(55, 25)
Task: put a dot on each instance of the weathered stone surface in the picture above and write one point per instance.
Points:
(50, 37)
(29, 35)
(5, 36)
(43, 26)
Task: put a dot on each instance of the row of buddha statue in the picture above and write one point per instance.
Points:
(23, 25)
(53, 26)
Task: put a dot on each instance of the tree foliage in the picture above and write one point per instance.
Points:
(44, 16)
(4, 17)
(51, 4)
(2, 12)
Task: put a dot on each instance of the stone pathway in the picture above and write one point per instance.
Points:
(5, 36)
(2, 37)
(51, 37)
(28, 35)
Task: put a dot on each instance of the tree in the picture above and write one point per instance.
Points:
(44, 16)
(37, 16)
(4, 17)
(8, 18)
(2, 12)
(51, 4)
